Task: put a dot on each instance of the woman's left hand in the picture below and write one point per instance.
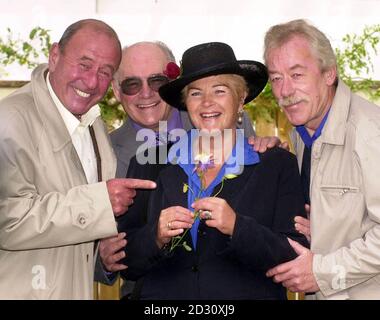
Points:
(217, 214)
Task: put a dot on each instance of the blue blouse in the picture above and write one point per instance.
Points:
(181, 154)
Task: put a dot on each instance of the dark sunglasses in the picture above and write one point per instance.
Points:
(132, 86)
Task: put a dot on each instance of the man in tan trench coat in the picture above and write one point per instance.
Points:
(337, 142)
(57, 194)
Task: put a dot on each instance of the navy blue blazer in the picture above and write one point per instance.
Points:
(266, 197)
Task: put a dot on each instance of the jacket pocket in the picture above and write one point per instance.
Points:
(343, 206)
(339, 189)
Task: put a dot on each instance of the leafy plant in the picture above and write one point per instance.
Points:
(355, 61)
(25, 53)
(111, 110)
(264, 106)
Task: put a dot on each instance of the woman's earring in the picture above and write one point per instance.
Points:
(240, 117)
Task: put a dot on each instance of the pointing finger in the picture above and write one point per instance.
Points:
(139, 183)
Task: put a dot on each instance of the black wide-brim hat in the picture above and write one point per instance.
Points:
(210, 59)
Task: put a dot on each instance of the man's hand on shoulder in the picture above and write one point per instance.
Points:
(262, 144)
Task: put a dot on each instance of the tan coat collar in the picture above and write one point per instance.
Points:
(335, 128)
(52, 120)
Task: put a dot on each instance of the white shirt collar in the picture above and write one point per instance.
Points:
(71, 122)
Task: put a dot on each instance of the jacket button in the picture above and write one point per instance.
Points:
(194, 268)
(82, 220)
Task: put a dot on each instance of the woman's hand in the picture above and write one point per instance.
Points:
(217, 213)
(172, 222)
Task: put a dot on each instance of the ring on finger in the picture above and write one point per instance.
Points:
(169, 225)
(207, 215)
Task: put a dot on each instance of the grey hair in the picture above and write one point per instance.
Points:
(168, 52)
(96, 25)
(320, 45)
(164, 48)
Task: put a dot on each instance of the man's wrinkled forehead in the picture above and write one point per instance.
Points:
(89, 46)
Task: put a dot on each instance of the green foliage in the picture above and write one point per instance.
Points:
(354, 61)
(264, 106)
(25, 53)
(111, 110)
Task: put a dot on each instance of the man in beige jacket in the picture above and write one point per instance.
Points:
(337, 142)
(57, 194)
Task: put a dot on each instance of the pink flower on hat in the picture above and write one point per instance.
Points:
(172, 71)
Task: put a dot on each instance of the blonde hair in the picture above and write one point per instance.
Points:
(320, 45)
(235, 82)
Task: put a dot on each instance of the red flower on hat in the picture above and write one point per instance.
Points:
(172, 71)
